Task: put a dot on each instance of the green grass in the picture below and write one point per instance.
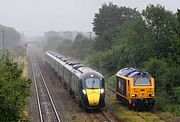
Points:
(123, 113)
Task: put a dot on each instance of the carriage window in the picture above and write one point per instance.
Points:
(92, 83)
(142, 82)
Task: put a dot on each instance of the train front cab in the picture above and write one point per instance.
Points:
(92, 93)
(133, 95)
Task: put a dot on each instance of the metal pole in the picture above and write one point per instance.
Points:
(3, 41)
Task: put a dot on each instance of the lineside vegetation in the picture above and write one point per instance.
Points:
(14, 90)
(147, 40)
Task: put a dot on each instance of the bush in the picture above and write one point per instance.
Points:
(158, 68)
(112, 82)
(14, 90)
(167, 82)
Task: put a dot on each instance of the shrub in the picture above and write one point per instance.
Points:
(14, 90)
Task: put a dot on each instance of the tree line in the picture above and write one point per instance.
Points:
(147, 40)
(12, 40)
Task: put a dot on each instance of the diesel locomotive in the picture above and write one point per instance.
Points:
(86, 85)
(135, 88)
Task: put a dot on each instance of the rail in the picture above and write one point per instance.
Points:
(111, 90)
(107, 118)
(47, 90)
(37, 94)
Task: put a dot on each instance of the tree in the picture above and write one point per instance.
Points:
(106, 22)
(11, 37)
(52, 38)
(134, 44)
(161, 22)
(64, 46)
(175, 50)
(81, 47)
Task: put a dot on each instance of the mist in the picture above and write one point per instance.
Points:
(38, 16)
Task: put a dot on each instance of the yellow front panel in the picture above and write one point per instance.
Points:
(93, 96)
(143, 92)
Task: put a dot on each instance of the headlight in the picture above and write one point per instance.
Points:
(151, 95)
(84, 91)
(133, 95)
(102, 91)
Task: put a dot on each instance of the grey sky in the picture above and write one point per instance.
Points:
(45, 15)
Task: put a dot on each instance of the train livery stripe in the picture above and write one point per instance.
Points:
(93, 96)
(122, 95)
(121, 76)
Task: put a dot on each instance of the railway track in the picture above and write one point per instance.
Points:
(46, 106)
(98, 116)
(46, 111)
(106, 116)
(92, 117)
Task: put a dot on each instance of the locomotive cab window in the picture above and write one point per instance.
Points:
(92, 83)
(121, 83)
(142, 82)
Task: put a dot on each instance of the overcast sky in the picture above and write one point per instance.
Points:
(57, 15)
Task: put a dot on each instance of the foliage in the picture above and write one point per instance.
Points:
(175, 50)
(20, 50)
(149, 40)
(94, 60)
(13, 91)
(11, 40)
(81, 47)
(64, 46)
(106, 22)
(135, 41)
(162, 23)
(112, 82)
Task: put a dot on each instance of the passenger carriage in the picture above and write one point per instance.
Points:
(83, 83)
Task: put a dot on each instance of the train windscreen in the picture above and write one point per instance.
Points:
(142, 82)
(92, 83)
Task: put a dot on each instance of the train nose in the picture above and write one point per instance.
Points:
(93, 96)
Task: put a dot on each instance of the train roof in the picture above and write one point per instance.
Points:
(131, 73)
(76, 67)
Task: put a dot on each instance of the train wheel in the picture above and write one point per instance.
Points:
(100, 109)
(118, 97)
(130, 107)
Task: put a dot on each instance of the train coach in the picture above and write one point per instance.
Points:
(135, 89)
(86, 85)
